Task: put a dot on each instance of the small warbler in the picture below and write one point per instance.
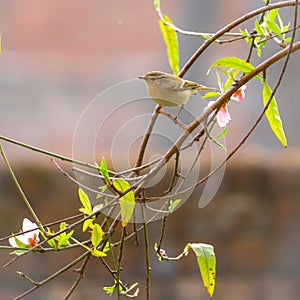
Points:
(170, 90)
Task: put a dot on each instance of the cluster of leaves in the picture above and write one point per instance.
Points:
(229, 70)
(270, 27)
(233, 68)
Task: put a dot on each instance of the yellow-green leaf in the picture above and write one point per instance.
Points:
(156, 4)
(104, 170)
(272, 114)
(170, 38)
(233, 63)
(85, 201)
(207, 264)
(98, 253)
(127, 202)
(87, 224)
(97, 235)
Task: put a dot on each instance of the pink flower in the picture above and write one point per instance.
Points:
(223, 116)
(29, 238)
(239, 95)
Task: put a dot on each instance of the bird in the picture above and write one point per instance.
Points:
(170, 90)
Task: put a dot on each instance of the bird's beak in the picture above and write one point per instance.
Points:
(141, 77)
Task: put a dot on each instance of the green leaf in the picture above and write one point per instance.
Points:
(98, 253)
(127, 202)
(107, 247)
(207, 264)
(272, 14)
(104, 171)
(97, 235)
(234, 63)
(157, 4)
(222, 134)
(259, 28)
(273, 27)
(20, 244)
(272, 114)
(221, 146)
(85, 201)
(51, 242)
(173, 204)
(211, 95)
(63, 238)
(109, 289)
(170, 38)
(206, 36)
(87, 224)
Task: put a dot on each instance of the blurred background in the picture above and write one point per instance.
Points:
(58, 57)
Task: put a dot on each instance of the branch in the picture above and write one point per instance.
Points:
(216, 105)
(228, 28)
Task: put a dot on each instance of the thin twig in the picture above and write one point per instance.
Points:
(147, 254)
(119, 262)
(80, 276)
(48, 153)
(146, 137)
(19, 188)
(53, 276)
(227, 28)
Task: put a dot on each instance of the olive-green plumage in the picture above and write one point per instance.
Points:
(170, 90)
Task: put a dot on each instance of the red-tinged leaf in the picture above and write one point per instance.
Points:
(207, 264)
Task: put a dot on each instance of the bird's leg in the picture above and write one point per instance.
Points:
(179, 112)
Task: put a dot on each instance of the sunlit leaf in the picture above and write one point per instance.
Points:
(273, 27)
(170, 38)
(63, 238)
(109, 289)
(173, 204)
(85, 201)
(97, 235)
(127, 202)
(259, 28)
(87, 224)
(51, 242)
(20, 244)
(107, 247)
(272, 14)
(234, 63)
(211, 95)
(104, 171)
(272, 114)
(98, 253)
(207, 264)
(222, 134)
